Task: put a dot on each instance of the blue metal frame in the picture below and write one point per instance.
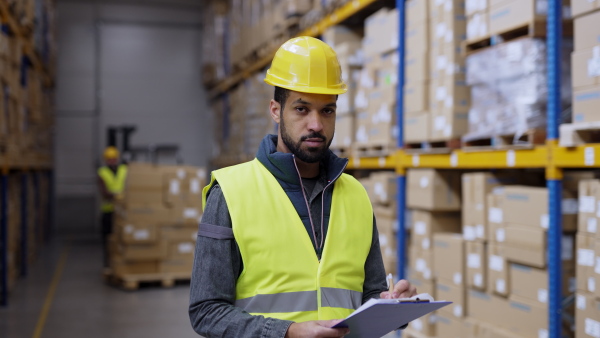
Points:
(24, 226)
(401, 235)
(554, 40)
(4, 240)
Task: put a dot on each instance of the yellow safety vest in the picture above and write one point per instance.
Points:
(282, 276)
(114, 183)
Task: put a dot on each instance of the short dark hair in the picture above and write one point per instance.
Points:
(281, 95)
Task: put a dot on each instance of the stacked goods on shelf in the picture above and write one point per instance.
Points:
(585, 66)
(434, 199)
(587, 308)
(347, 45)
(507, 72)
(214, 62)
(156, 222)
(375, 100)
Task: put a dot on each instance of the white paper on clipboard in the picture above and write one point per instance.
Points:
(378, 317)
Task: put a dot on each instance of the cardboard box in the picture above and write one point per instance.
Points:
(532, 283)
(524, 237)
(426, 223)
(417, 127)
(486, 307)
(581, 7)
(439, 8)
(384, 186)
(382, 127)
(158, 214)
(495, 215)
(416, 97)
(423, 286)
(142, 252)
(585, 102)
(136, 233)
(433, 190)
(589, 196)
(514, 14)
(417, 68)
(176, 266)
(449, 257)
(478, 26)
(381, 32)
(585, 67)
(388, 244)
(417, 12)
(344, 131)
(529, 206)
(338, 34)
(449, 92)
(587, 315)
(571, 180)
(421, 263)
(452, 328)
(425, 325)
(448, 29)
(527, 318)
(446, 290)
(476, 256)
(187, 215)
(417, 38)
(537, 258)
(587, 31)
(475, 188)
(122, 268)
(475, 6)
(587, 278)
(498, 270)
(448, 124)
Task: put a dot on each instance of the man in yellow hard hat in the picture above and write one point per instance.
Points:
(111, 182)
(288, 245)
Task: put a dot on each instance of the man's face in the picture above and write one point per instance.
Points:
(112, 162)
(307, 125)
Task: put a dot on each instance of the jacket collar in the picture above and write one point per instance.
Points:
(282, 165)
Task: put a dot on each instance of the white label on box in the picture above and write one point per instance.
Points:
(195, 186)
(181, 173)
(379, 190)
(426, 243)
(581, 303)
(591, 283)
(544, 220)
(439, 122)
(587, 204)
(415, 160)
(427, 274)
(495, 215)
(142, 234)
(457, 310)
(383, 241)
(440, 30)
(480, 230)
(440, 94)
(201, 173)
(567, 247)
(128, 229)
(592, 328)
(185, 247)
(420, 265)
(511, 158)
(496, 263)
(190, 213)
(598, 210)
(597, 268)
(417, 324)
(569, 206)
(448, 6)
(542, 296)
(420, 228)
(449, 102)
(457, 278)
(585, 257)
(501, 285)
(500, 235)
(424, 182)
(478, 279)
(174, 187)
(473, 261)
(542, 333)
(589, 157)
(381, 162)
(479, 206)
(453, 159)
(440, 62)
(447, 130)
(356, 161)
(469, 233)
(592, 225)
(593, 67)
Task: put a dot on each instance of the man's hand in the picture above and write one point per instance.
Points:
(402, 289)
(316, 328)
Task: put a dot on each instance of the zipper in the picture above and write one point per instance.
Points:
(323, 201)
(306, 201)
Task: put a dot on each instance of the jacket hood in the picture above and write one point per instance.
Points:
(282, 165)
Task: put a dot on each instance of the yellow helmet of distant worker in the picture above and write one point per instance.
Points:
(308, 65)
(111, 153)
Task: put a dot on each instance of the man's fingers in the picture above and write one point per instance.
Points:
(401, 287)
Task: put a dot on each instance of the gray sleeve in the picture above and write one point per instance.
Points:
(217, 265)
(374, 271)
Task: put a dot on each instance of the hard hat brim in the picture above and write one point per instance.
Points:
(311, 90)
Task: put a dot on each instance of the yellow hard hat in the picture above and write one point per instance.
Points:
(111, 153)
(308, 65)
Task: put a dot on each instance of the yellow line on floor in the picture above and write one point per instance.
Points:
(39, 327)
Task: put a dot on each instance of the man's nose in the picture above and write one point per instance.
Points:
(314, 122)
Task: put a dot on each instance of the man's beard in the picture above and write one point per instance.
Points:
(310, 155)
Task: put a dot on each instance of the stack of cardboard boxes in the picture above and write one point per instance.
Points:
(585, 62)
(587, 304)
(436, 248)
(156, 221)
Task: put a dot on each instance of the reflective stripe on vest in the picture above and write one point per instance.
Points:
(114, 183)
(282, 276)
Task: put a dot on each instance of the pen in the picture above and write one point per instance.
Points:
(390, 281)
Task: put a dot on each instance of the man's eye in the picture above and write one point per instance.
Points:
(329, 111)
(301, 109)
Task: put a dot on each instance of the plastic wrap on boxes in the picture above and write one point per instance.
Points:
(509, 92)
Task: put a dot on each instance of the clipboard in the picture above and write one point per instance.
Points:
(378, 317)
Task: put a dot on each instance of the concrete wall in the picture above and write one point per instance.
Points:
(125, 62)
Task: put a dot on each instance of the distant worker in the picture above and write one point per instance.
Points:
(287, 244)
(111, 182)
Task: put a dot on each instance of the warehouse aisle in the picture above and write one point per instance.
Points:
(83, 306)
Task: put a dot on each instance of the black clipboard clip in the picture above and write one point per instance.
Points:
(416, 300)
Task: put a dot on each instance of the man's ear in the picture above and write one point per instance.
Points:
(275, 111)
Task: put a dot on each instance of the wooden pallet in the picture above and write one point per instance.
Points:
(573, 134)
(432, 147)
(374, 150)
(342, 151)
(528, 140)
(535, 28)
(133, 282)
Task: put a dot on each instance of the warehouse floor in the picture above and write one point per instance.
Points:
(84, 306)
